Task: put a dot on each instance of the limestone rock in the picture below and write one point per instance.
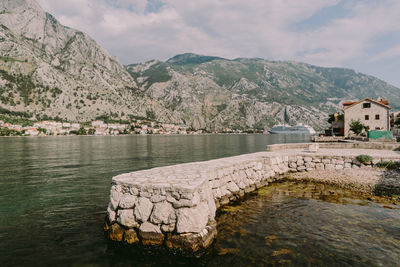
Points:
(168, 228)
(143, 209)
(116, 232)
(115, 196)
(329, 166)
(163, 213)
(187, 203)
(151, 234)
(131, 237)
(192, 220)
(112, 216)
(231, 186)
(127, 201)
(127, 218)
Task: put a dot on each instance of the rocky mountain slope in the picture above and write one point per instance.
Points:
(49, 70)
(212, 92)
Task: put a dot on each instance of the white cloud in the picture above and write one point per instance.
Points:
(233, 28)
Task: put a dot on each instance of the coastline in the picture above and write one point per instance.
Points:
(174, 206)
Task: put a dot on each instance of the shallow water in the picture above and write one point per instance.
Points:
(54, 191)
(307, 225)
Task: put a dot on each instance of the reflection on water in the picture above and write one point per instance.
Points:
(54, 191)
(307, 224)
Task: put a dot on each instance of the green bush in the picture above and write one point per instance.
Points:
(364, 159)
(388, 164)
(357, 127)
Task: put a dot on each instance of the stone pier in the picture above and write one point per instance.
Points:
(174, 206)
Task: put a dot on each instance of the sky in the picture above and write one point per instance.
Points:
(359, 34)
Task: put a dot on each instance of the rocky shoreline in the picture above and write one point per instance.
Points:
(375, 181)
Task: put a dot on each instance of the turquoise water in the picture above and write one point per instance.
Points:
(54, 191)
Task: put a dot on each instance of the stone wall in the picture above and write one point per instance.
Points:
(175, 206)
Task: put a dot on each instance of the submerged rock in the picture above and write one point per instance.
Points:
(151, 234)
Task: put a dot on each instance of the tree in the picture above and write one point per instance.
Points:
(357, 127)
(331, 118)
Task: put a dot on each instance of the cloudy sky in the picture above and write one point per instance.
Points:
(358, 34)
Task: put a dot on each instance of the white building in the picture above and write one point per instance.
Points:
(370, 112)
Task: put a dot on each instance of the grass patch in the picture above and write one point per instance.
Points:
(388, 165)
(364, 159)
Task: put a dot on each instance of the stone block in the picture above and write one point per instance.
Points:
(192, 220)
(310, 169)
(317, 160)
(127, 218)
(167, 228)
(310, 164)
(127, 201)
(157, 198)
(293, 165)
(326, 161)
(134, 191)
(339, 167)
(339, 162)
(301, 168)
(232, 187)
(187, 203)
(116, 233)
(307, 159)
(329, 166)
(151, 234)
(143, 207)
(347, 165)
(163, 213)
(131, 237)
(192, 242)
(300, 162)
(112, 216)
(115, 196)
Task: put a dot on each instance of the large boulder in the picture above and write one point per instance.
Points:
(143, 208)
(192, 220)
(127, 218)
(163, 213)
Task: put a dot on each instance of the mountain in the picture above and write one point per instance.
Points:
(213, 93)
(50, 70)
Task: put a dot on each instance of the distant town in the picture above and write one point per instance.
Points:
(99, 128)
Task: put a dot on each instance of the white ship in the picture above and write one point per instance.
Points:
(286, 129)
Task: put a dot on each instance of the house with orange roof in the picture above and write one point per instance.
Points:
(372, 113)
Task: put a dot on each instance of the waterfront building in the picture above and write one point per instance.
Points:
(372, 113)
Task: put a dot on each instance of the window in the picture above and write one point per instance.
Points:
(366, 117)
(366, 105)
(377, 117)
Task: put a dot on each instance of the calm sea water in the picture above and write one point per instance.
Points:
(54, 193)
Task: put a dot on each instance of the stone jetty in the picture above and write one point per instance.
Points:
(174, 206)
